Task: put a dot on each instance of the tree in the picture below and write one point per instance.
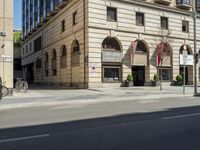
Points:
(17, 38)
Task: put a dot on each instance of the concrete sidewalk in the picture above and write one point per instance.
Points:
(44, 97)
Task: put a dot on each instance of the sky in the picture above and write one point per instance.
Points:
(17, 14)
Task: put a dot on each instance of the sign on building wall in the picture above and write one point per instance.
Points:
(111, 57)
(7, 58)
(188, 61)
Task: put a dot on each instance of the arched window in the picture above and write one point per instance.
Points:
(63, 57)
(111, 43)
(141, 46)
(75, 60)
(76, 47)
(54, 62)
(111, 60)
(46, 63)
(167, 49)
(187, 47)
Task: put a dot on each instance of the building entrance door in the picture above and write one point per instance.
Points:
(139, 75)
(186, 73)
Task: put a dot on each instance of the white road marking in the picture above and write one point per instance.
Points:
(24, 138)
(181, 116)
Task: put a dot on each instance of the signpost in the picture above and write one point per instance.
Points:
(185, 55)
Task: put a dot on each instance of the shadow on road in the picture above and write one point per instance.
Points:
(173, 129)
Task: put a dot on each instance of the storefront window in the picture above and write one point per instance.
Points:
(166, 74)
(111, 73)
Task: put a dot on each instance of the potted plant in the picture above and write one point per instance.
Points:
(129, 81)
(155, 81)
(179, 80)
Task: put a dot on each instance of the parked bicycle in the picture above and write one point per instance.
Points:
(3, 90)
(21, 85)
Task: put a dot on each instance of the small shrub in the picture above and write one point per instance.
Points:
(129, 78)
(155, 77)
(179, 78)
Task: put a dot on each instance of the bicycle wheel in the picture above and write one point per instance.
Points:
(24, 86)
(4, 91)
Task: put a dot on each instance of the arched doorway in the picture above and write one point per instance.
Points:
(140, 62)
(165, 68)
(63, 57)
(188, 65)
(46, 64)
(111, 60)
(75, 63)
(54, 63)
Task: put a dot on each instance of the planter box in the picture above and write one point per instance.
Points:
(155, 83)
(178, 83)
(128, 84)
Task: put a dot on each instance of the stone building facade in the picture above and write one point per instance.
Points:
(6, 43)
(90, 43)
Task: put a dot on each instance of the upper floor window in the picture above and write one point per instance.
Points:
(37, 44)
(164, 23)
(75, 18)
(139, 19)
(63, 26)
(185, 26)
(111, 14)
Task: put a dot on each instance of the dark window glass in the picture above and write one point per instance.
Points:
(17, 64)
(185, 26)
(54, 63)
(75, 18)
(63, 26)
(111, 73)
(141, 46)
(46, 64)
(139, 18)
(30, 46)
(76, 47)
(38, 63)
(111, 14)
(166, 74)
(37, 44)
(63, 59)
(26, 48)
(164, 23)
(111, 44)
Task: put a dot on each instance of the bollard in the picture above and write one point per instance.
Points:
(1, 88)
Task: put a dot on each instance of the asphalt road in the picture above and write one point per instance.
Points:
(166, 129)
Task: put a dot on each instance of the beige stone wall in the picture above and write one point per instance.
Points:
(126, 31)
(6, 25)
(98, 28)
(53, 38)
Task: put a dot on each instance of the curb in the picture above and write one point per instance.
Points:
(87, 101)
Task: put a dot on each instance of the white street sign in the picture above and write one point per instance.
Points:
(189, 61)
(7, 58)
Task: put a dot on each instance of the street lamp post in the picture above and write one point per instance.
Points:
(195, 47)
